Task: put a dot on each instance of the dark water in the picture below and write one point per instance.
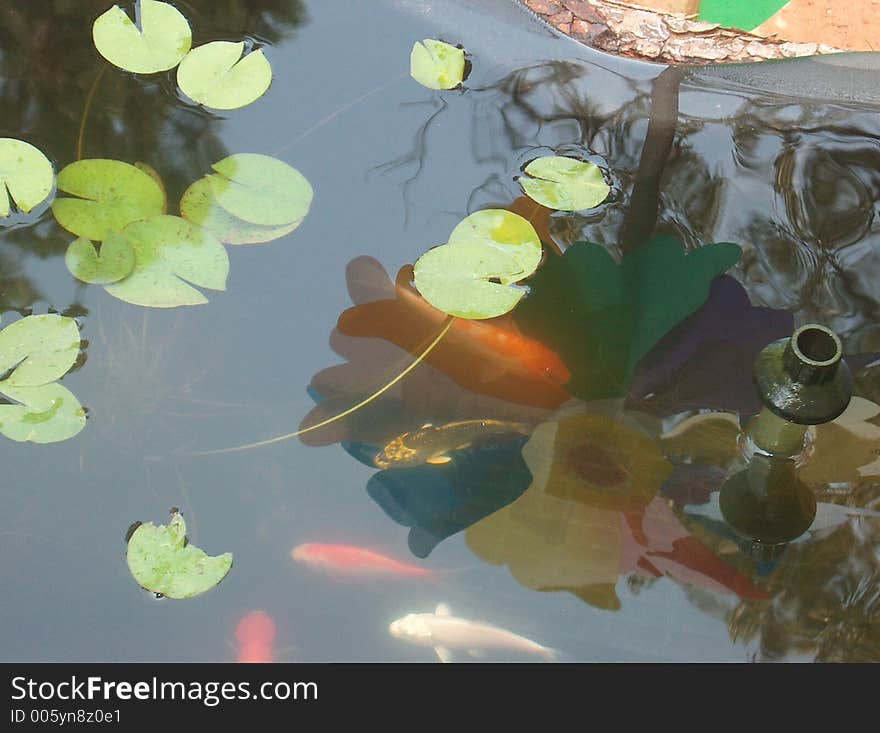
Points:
(790, 176)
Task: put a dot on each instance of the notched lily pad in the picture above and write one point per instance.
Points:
(563, 183)
(47, 413)
(111, 194)
(261, 189)
(114, 261)
(437, 65)
(468, 280)
(199, 205)
(170, 253)
(38, 349)
(473, 275)
(163, 39)
(505, 231)
(217, 76)
(161, 560)
(25, 173)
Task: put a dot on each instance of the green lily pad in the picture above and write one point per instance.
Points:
(171, 252)
(161, 560)
(199, 206)
(154, 174)
(506, 231)
(436, 65)
(111, 195)
(114, 262)
(261, 189)
(566, 184)
(161, 42)
(25, 172)
(216, 75)
(457, 279)
(47, 413)
(39, 349)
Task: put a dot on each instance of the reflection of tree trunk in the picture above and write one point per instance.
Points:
(641, 218)
(628, 31)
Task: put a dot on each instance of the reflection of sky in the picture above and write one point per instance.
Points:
(68, 594)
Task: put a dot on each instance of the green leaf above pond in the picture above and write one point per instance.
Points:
(602, 317)
(39, 349)
(261, 189)
(161, 560)
(47, 413)
(25, 173)
(161, 42)
(111, 195)
(563, 183)
(199, 205)
(436, 65)
(171, 252)
(508, 232)
(114, 261)
(216, 75)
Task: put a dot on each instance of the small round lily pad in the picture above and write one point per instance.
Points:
(47, 413)
(216, 75)
(161, 560)
(468, 280)
(38, 349)
(504, 230)
(163, 39)
(26, 174)
(110, 194)
(114, 262)
(565, 184)
(437, 65)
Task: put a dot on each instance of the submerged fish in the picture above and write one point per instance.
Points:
(433, 444)
(446, 632)
(355, 561)
(255, 634)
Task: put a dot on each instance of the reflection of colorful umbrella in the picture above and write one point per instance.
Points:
(592, 514)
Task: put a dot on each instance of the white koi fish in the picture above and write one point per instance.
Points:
(446, 632)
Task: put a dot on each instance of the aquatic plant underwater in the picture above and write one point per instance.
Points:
(571, 408)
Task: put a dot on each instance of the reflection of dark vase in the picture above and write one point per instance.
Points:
(802, 381)
(767, 502)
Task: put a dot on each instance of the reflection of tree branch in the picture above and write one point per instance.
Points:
(644, 201)
(418, 152)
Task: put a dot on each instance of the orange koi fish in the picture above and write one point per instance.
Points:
(348, 560)
(486, 356)
(255, 634)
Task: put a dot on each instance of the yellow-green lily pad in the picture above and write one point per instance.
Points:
(261, 189)
(468, 280)
(199, 205)
(114, 261)
(565, 184)
(111, 194)
(163, 39)
(161, 560)
(436, 65)
(217, 76)
(38, 349)
(25, 173)
(170, 253)
(504, 230)
(47, 413)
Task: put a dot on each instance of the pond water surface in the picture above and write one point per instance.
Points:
(609, 549)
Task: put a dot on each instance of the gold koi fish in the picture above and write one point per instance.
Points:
(433, 444)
